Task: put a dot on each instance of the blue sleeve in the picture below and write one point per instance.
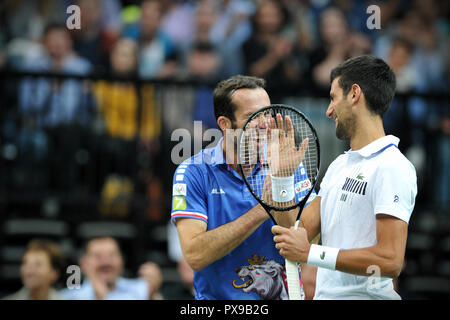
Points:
(303, 185)
(188, 193)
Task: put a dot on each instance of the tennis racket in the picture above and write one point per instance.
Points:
(279, 158)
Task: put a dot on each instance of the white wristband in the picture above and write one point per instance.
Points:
(282, 188)
(322, 256)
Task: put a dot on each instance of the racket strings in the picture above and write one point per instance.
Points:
(279, 152)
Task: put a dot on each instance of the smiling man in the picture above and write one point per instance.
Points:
(366, 196)
(102, 264)
(224, 232)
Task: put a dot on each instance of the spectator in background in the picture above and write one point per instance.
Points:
(400, 60)
(102, 264)
(270, 53)
(202, 47)
(420, 67)
(206, 18)
(119, 101)
(178, 20)
(203, 64)
(27, 19)
(334, 46)
(156, 49)
(303, 18)
(55, 102)
(41, 267)
(93, 40)
(122, 104)
(232, 25)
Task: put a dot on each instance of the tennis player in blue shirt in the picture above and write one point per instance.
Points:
(225, 235)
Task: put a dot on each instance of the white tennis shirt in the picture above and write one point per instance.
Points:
(357, 186)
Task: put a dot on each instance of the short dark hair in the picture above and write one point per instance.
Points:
(223, 106)
(373, 75)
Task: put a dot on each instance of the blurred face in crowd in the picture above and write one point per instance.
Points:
(202, 63)
(410, 27)
(333, 27)
(123, 56)
(37, 271)
(340, 111)
(90, 12)
(58, 43)
(399, 56)
(205, 16)
(102, 260)
(150, 18)
(269, 17)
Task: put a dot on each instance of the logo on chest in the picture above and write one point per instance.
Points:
(357, 185)
(217, 191)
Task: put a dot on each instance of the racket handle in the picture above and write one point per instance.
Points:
(293, 278)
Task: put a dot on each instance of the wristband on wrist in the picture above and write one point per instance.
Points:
(282, 188)
(322, 256)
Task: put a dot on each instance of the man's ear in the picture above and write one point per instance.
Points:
(224, 123)
(355, 93)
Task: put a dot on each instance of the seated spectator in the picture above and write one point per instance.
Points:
(156, 50)
(55, 102)
(26, 19)
(94, 39)
(118, 101)
(270, 53)
(102, 265)
(178, 20)
(203, 64)
(232, 26)
(41, 267)
(205, 18)
(334, 46)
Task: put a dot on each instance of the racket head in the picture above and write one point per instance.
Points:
(254, 151)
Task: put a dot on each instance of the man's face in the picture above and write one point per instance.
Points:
(339, 110)
(36, 270)
(247, 102)
(58, 43)
(103, 260)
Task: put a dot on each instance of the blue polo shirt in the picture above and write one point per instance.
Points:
(206, 188)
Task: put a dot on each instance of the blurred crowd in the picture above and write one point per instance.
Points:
(98, 274)
(291, 43)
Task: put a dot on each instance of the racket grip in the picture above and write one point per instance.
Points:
(293, 278)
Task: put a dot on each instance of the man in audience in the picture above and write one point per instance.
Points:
(102, 264)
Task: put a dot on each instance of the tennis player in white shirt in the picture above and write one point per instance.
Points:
(366, 196)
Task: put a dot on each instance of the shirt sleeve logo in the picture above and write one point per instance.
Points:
(179, 189)
(179, 203)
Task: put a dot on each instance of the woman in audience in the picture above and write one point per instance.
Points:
(41, 266)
